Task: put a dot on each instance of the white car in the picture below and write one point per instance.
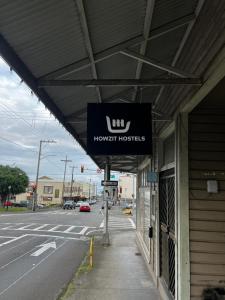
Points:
(40, 205)
(78, 204)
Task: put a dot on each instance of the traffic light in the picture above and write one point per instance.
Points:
(82, 169)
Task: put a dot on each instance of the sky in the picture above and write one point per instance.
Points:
(24, 122)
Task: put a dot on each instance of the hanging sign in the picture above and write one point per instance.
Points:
(119, 129)
(109, 183)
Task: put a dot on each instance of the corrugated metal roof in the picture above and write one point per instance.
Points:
(167, 10)
(48, 36)
(112, 22)
(206, 39)
(43, 33)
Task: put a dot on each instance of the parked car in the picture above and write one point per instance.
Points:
(39, 205)
(127, 205)
(69, 204)
(23, 203)
(85, 206)
(91, 202)
(8, 203)
(79, 203)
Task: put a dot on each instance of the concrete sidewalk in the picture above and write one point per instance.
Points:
(119, 273)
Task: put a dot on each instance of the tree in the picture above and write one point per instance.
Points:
(12, 181)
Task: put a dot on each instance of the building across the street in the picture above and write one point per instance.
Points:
(127, 187)
(50, 191)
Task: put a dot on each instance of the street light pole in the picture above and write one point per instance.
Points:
(37, 174)
(71, 186)
(63, 191)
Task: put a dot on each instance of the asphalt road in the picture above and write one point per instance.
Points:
(39, 252)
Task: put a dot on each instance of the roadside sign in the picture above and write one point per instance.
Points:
(109, 183)
(152, 177)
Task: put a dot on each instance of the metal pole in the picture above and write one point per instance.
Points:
(89, 190)
(37, 175)
(36, 181)
(64, 176)
(106, 241)
(71, 186)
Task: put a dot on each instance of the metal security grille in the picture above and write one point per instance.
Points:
(167, 228)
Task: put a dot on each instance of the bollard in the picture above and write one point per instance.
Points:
(91, 253)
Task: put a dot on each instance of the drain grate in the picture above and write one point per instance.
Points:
(138, 253)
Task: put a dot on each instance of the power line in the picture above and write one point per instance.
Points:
(9, 141)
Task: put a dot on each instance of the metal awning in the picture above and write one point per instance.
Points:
(76, 52)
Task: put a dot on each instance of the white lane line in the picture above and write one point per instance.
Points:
(83, 230)
(54, 228)
(82, 238)
(40, 227)
(69, 229)
(26, 226)
(34, 267)
(7, 227)
(17, 245)
(13, 240)
(102, 224)
(132, 223)
(18, 257)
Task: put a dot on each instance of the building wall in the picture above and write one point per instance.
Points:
(50, 191)
(127, 187)
(148, 205)
(207, 210)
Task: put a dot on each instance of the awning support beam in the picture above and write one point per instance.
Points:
(121, 82)
(107, 53)
(156, 64)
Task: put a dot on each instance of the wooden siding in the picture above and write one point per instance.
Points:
(207, 211)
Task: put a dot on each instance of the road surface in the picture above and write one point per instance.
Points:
(41, 251)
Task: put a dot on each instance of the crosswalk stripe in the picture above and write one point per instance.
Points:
(69, 229)
(54, 228)
(26, 226)
(41, 227)
(83, 230)
(119, 223)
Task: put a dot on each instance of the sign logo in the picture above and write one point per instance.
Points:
(117, 123)
(119, 129)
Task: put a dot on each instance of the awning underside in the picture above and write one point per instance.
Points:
(76, 52)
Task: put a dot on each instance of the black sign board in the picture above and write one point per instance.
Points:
(119, 129)
(109, 183)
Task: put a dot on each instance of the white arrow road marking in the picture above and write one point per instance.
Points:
(34, 267)
(43, 248)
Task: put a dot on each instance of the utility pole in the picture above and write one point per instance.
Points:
(64, 176)
(71, 186)
(89, 190)
(37, 174)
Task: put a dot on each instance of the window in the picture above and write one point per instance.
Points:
(48, 189)
(57, 193)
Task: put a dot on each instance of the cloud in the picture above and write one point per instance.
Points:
(24, 122)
